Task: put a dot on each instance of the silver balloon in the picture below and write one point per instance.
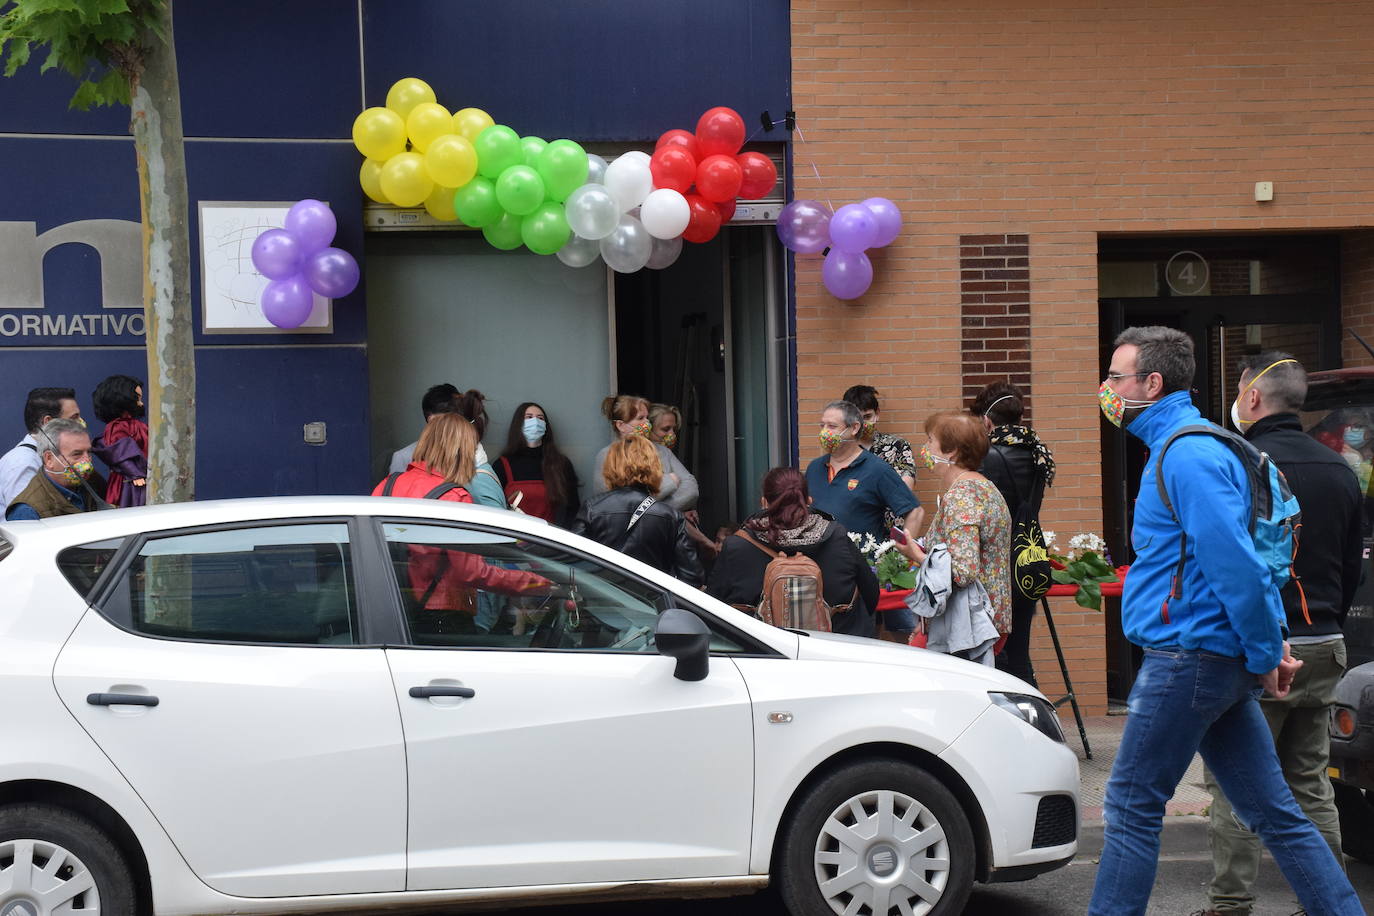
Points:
(596, 169)
(665, 253)
(627, 249)
(579, 252)
(592, 212)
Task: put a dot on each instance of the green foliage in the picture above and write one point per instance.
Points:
(894, 571)
(1087, 572)
(99, 42)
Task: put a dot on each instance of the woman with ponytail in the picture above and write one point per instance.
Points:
(788, 524)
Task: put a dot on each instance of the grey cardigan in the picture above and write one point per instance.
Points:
(958, 620)
(682, 495)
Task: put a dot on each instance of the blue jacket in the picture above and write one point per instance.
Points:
(1229, 604)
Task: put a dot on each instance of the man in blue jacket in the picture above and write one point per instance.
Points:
(1210, 645)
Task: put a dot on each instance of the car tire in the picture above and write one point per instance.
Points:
(92, 873)
(1357, 821)
(879, 831)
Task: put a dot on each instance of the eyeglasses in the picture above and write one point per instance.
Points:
(1117, 376)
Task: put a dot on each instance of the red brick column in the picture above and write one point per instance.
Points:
(994, 297)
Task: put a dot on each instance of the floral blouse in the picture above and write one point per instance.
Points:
(974, 524)
(896, 451)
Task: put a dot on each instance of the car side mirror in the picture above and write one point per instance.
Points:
(682, 635)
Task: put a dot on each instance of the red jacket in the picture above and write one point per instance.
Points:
(457, 572)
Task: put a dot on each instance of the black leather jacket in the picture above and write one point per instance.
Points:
(659, 538)
(1012, 471)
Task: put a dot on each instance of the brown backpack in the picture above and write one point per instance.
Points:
(793, 591)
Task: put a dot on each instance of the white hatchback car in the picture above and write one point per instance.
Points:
(311, 704)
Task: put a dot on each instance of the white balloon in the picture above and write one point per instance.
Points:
(627, 249)
(596, 169)
(592, 212)
(665, 213)
(628, 178)
(579, 252)
(665, 253)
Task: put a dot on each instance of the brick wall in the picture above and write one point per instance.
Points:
(994, 313)
(1357, 295)
(1060, 122)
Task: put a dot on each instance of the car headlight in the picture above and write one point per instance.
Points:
(1035, 712)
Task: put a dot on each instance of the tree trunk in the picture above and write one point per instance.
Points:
(170, 392)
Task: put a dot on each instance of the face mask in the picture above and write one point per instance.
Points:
(831, 440)
(1235, 405)
(74, 474)
(1355, 436)
(82, 421)
(1236, 421)
(640, 428)
(930, 460)
(670, 439)
(868, 429)
(534, 429)
(1114, 406)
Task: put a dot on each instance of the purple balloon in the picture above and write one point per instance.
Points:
(889, 220)
(332, 273)
(277, 254)
(287, 303)
(847, 274)
(313, 225)
(804, 226)
(853, 228)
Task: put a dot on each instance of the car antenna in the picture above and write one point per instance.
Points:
(1363, 343)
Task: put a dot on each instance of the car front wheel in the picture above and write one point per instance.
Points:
(55, 862)
(876, 837)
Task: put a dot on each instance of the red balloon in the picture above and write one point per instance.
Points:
(727, 210)
(673, 167)
(704, 222)
(759, 175)
(720, 132)
(718, 178)
(679, 137)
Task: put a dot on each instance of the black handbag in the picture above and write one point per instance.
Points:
(1031, 573)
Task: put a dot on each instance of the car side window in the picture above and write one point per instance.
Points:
(473, 589)
(271, 584)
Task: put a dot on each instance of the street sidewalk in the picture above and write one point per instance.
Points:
(1104, 737)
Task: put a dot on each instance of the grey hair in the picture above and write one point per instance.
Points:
(1283, 387)
(50, 436)
(1167, 351)
(852, 414)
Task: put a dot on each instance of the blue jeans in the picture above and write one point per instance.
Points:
(1189, 701)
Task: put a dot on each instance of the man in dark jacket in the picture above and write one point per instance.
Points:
(1272, 389)
(1020, 466)
(61, 487)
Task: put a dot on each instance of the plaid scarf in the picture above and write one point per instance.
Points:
(1024, 437)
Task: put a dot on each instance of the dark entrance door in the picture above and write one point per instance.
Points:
(1235, 297)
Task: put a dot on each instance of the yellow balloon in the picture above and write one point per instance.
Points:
(406, 93)
(470, 122)
(451, 161)
(439, 204)
(379, 133)
(427, 122)
(370, 177)
(404, 180)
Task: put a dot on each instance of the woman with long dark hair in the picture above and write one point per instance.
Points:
(532, 469)
(123, 445)
(788, 524)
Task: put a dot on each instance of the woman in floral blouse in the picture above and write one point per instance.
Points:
(972, 518)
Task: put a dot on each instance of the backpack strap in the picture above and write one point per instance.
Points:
(30, 446)
(390, 483)
(759, 544)
(439, 491)
(639, 513)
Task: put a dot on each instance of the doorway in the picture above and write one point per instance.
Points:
(1235, 296)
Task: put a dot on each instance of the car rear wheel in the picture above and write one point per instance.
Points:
(1357, 821)
(876, 837)
(55, 862)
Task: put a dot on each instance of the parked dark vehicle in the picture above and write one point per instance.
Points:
(1340, 414)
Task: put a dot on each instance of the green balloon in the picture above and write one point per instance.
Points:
(563, 166)
(546, 229)
(498, 148)
(476, 203)
(532, 147)
(504, 233)
(519, 190)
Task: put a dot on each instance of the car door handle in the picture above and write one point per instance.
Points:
(423, 693)
(121, 699)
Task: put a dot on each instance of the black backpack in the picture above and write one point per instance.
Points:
(1031, 573)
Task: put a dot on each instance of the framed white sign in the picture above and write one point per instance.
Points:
(230, 286)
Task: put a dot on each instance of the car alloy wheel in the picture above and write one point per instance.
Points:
(879, 837)
(56, 863)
